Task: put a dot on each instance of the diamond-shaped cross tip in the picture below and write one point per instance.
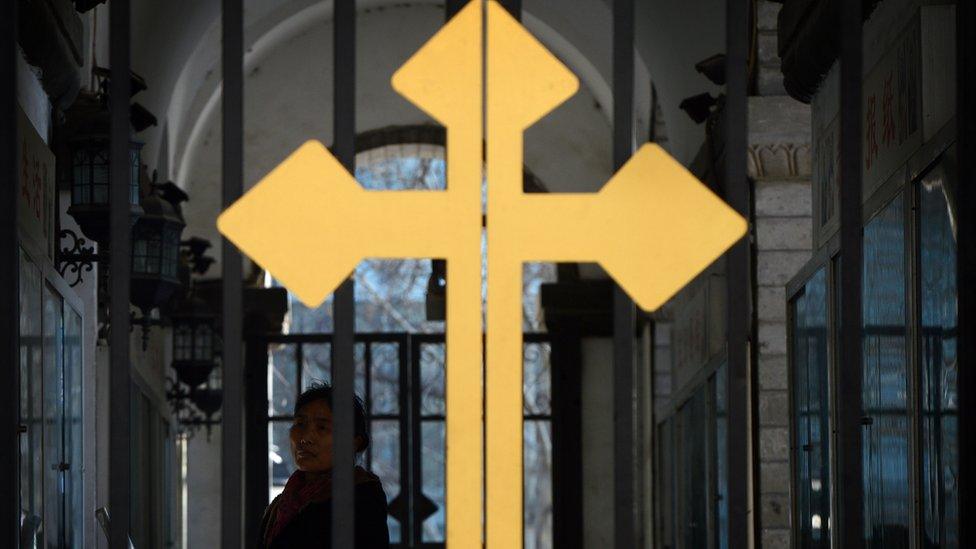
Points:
(298, 223)
(661, 227)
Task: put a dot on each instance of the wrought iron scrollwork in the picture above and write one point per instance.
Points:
(189, 418)
(76, 258)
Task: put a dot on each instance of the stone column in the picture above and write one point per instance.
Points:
(779, 164)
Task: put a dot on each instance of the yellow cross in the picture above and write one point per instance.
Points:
(653, 227)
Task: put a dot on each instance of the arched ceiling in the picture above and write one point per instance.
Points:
(288, 82)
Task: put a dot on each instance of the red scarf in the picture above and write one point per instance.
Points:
(302, 490)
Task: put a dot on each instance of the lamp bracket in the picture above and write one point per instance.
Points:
(76, 258)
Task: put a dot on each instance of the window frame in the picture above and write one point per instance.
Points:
(669, 421)
(905, 180)
(827, 259)
(50, 280)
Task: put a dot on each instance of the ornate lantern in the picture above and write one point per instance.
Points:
(85, 170)
(208, 398)
(194, 341)
(156, 250)
(89, 147)
(156, 247)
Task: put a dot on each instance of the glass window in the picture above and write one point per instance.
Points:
(885, 435)
(54, 459)
(432, 379)
(171, 250)
(537, 489)
(665, 485)
(51, 413)
(432, 479)
(384, 378)
(31, 401)
(938, 364)
(316, 363)
(203, 343)
(811, 427)
(134, 160)
(691, 481)
(281, 464)
(282, 381)
(183, 343)
(721, 457)
(536, 387)
(73, 429)
(100, 175)
(692, 466)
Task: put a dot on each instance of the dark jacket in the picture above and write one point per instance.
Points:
(313, 525)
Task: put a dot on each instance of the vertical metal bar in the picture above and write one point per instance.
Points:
(416, 434)
(299, 369)
(232, 429)
(9, 281)
(711, 461)
(624, 313)
(120, 172)
(966, 248)
(849, 518)
(368, 374)
(256, 436)
(567, 463)
(738, 278)
(912, 284)
(406, 460)
(343, 360)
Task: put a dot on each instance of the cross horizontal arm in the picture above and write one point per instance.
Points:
(653, 221)
(311, 206)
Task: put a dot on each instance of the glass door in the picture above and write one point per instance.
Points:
(51, 413)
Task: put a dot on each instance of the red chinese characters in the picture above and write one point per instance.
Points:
(32, 177)
(871, 131)
(888, 121)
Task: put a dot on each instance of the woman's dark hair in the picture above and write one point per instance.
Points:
(323, 391)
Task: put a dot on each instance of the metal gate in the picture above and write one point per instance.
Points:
(400, 378)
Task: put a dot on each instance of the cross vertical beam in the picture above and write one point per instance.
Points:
(9, 282)
(738, 278)
(624, 312)
(966, 248)
(120, 382)
(849, 515)
(232, 428)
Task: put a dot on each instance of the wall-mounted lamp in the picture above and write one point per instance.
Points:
(87, 138)
(713, 68)
(156, 252)
(698, 107)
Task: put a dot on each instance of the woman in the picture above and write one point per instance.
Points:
(302, 515)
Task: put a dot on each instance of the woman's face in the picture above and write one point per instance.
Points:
(311, 437)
